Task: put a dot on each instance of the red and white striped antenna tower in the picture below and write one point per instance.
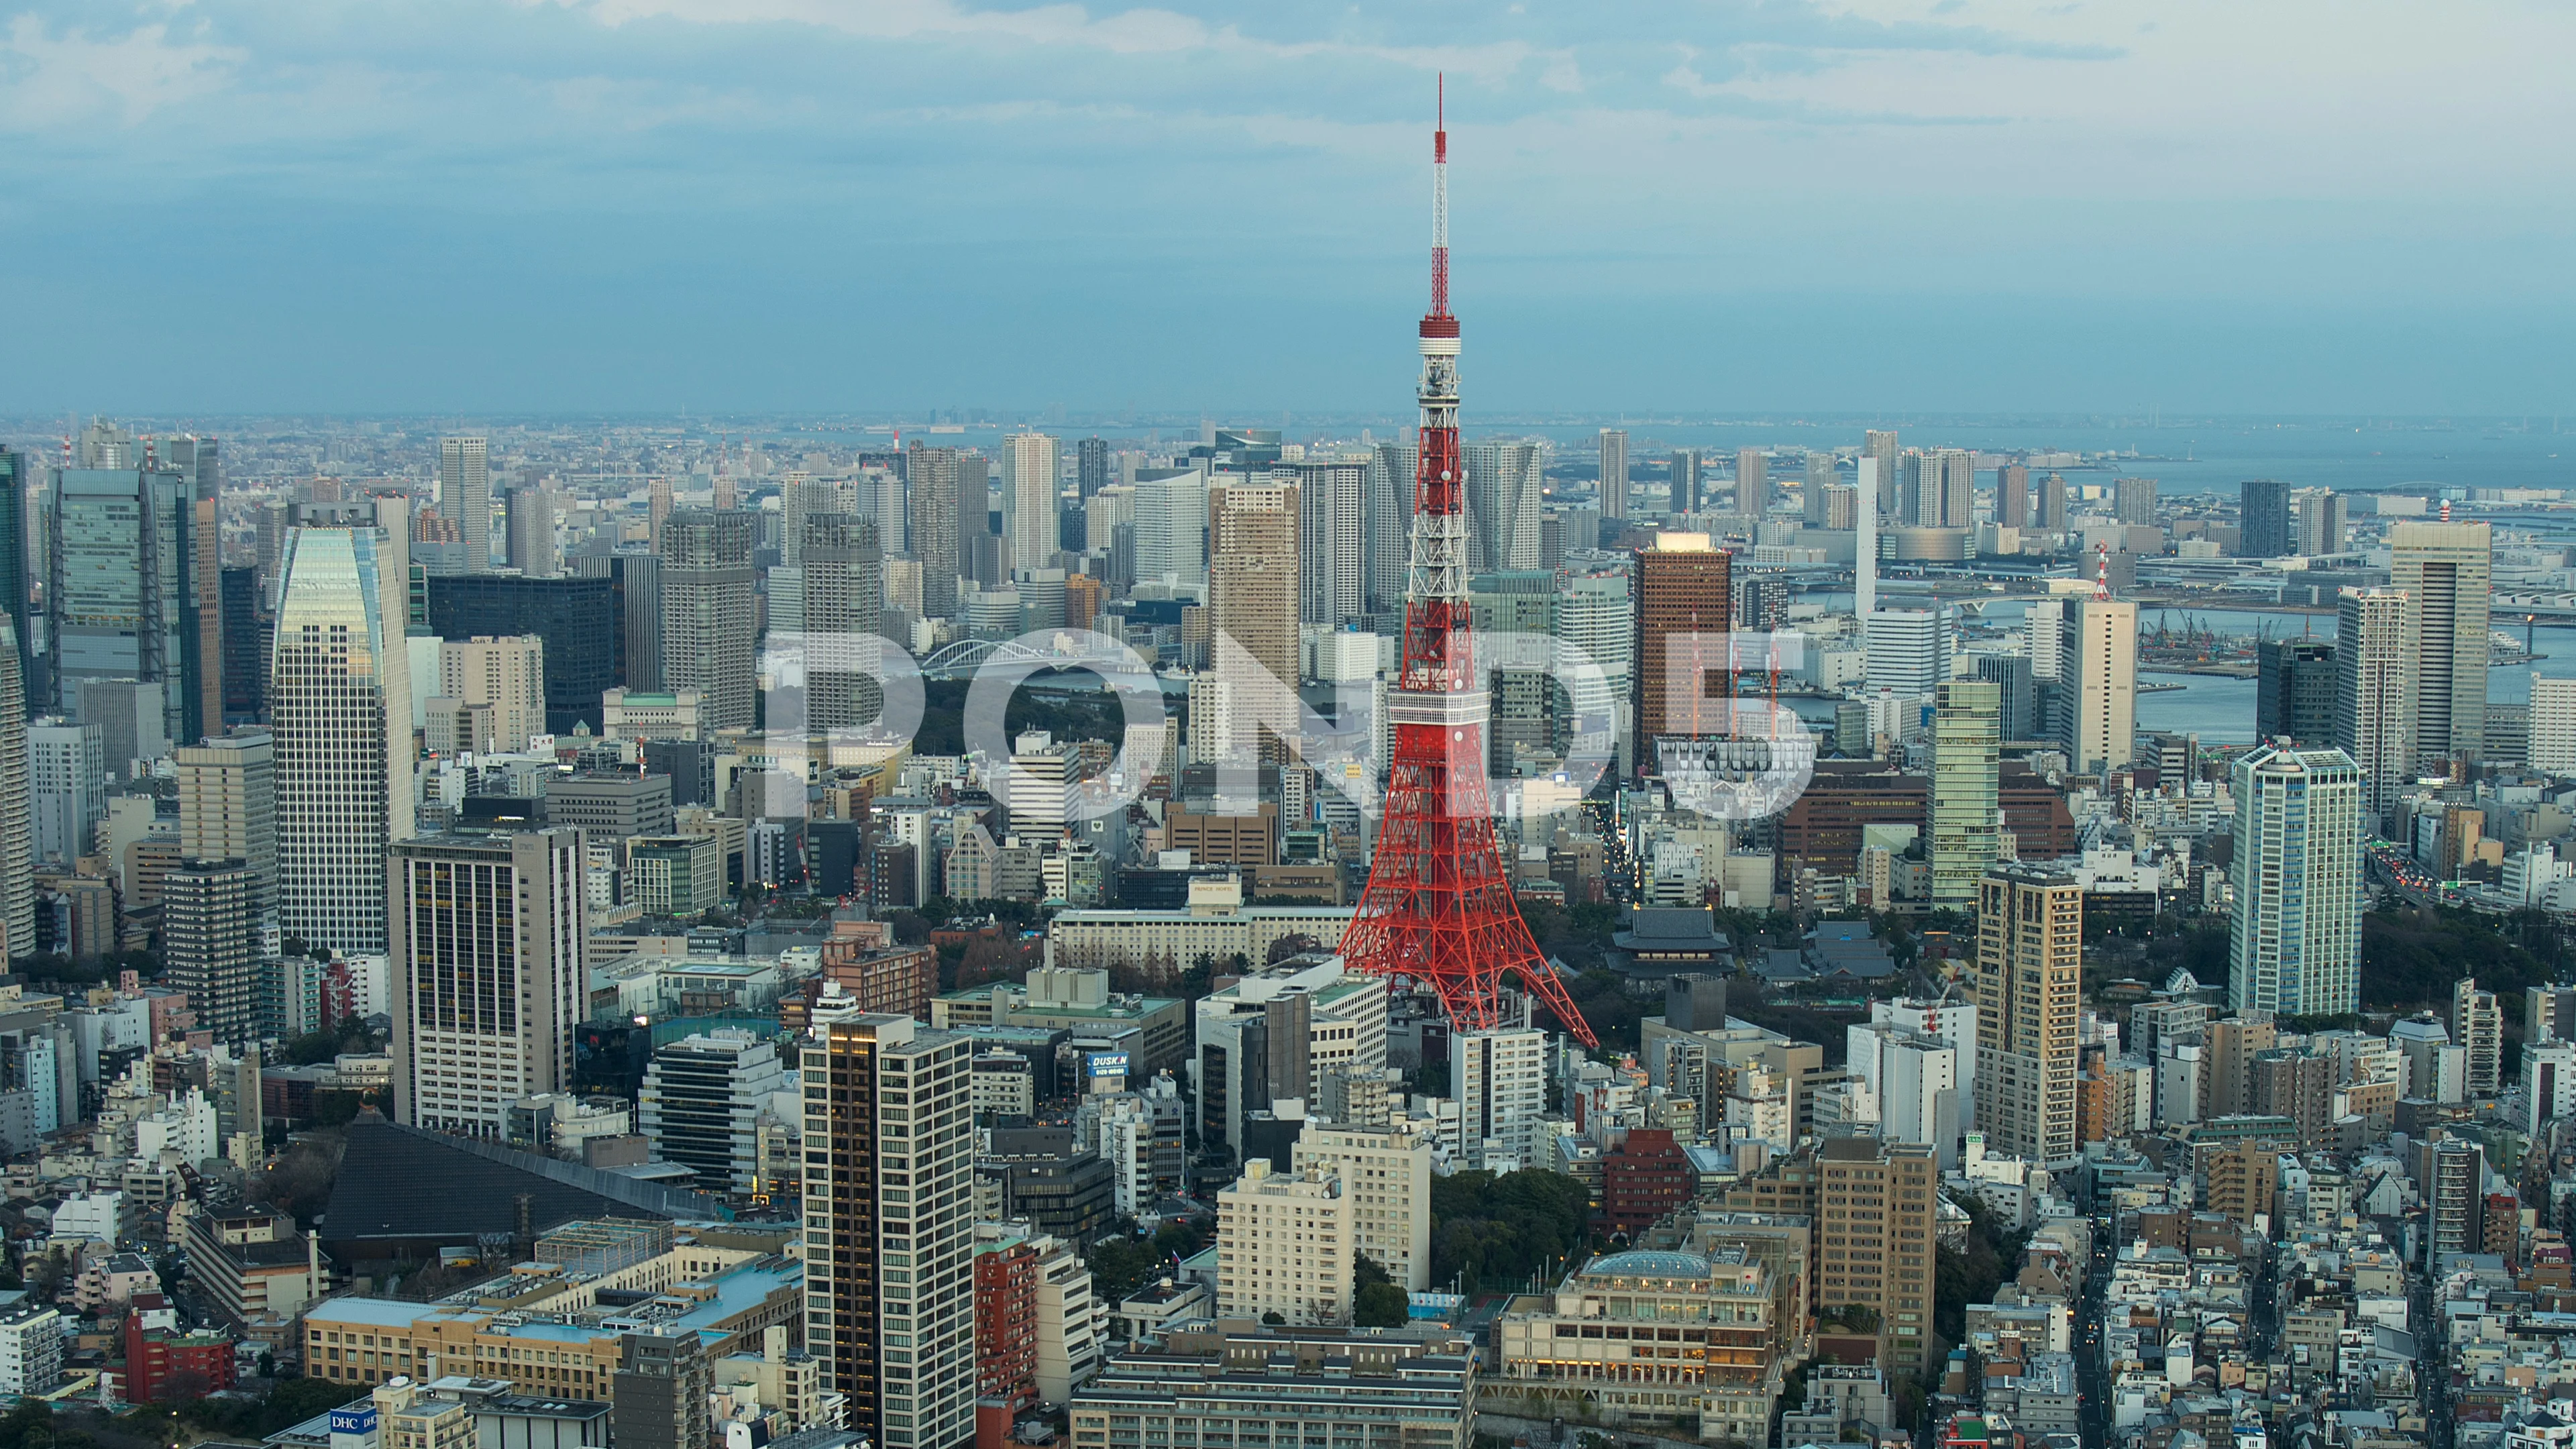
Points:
(1438, 909)
(2102, 571)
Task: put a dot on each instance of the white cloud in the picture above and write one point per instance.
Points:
(51, 81)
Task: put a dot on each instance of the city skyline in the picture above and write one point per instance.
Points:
(616, 214)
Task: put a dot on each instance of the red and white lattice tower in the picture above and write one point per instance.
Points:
(1439, 907)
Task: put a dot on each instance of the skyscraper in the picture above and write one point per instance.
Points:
(1967, 817)
(17, 817)
(530, 546)
(1821, 475)
(2477, 1024)
(1091, 466)
(2100, 660)
(1871, 484)
(342, 730)
(2052, 503)
(1614, 472)
(2443, 569)
(601, 626)
(1909, 651)
(2295, 691)
(1684, 465)
(1752, 482)
(228, 806)
(707, 616)
(67, 774)
(1504, 485)
(844, 595)
(2030, 945)
(1389, 525)
(14, 597)
(1028, 499)
(1682, 588)
(124, 595)
(889, 1229)
(1332, 502)
(485, 955)
(2012, 495)
(1252, 576)
(211, 945)
(1172, 529)
(1598, 616)
(2374, 713)
(2133, 500)
(1881, 446)
(465, 497)
(2319, 522)
(930, 526)
(2263, 518)
(2294, 939)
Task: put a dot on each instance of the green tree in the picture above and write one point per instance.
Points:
(1376, 1300)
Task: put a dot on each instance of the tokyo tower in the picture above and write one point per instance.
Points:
(1439, 908)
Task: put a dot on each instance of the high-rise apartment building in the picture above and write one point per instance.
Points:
(2229, 1046)
(657, 1400)
(889, 1223)
(1752, 482)
(506, 676)
(2294, 695)
(2030, 948)
(2051, 503)
(1498, 1077)
(1389, 525)
(1285, 1246)
(1386, 1181)
(15, 479)
(228, 805)
(1880, 447)
(2294, 937)
(211, 945)
(1505, 482)
(2444, 571)
(67, 785)
(1252, 575)
(2319, 523)
(17, 807)
(2374, 720)
(1029, 470)
(1683, 588)
(2012, 495)
(844, 596)
(342, 727)
(1967, 816)
(1091, 466)
(1614, 472)
(132, 590)
(486, 935)
(2477, 1024)
(465, 497)
(930, 525)
(2263, 518)
(1332, 501)
(2133, 500)
(530, 546)
(1821, 475)
(2100, 658)
(707, 635)
(1688, 490)
(1873, 1207)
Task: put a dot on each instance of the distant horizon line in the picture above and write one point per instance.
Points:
(926, 420)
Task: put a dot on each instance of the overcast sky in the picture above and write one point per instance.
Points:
(1717, 208)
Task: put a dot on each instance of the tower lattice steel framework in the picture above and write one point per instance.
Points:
(1439, 907)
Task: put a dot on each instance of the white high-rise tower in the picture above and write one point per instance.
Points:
(465, 496)
(341, 705)
(1028, 499)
